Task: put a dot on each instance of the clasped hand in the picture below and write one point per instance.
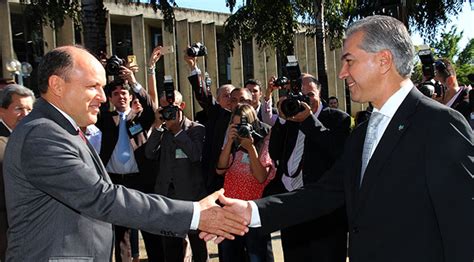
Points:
(217, 223)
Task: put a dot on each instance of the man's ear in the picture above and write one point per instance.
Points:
(385, 60)
(182, 105)
(56, 85)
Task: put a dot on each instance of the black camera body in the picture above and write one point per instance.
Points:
(197, 49)
(169, 112)
(281, 81)
(244, 129)
(292, 104)
(428, 65)
(113, 64)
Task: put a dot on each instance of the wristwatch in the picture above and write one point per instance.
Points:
(151, 70)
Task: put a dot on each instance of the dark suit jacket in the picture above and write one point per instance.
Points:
(108, 124)
(180, 174)
(4, 134)
(218, 121)
(415, 202)
(60, 200)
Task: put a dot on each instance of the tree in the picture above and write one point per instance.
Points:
(446, 45)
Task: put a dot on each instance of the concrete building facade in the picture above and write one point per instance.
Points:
(137, 29)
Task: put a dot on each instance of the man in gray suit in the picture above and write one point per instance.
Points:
(176, 143)
(60, 201)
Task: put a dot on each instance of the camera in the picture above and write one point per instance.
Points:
(244, 129)
(292, 104)
(428, 65)
(113, 64)
(281, 81)
(197, 49)
(169, 112)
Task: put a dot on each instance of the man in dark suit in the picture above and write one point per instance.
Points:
(127, 165)
(61, 203)
(16, 102)
(176, 144)
(303, 156)
(405, 176)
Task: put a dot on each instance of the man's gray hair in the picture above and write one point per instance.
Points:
(6, 95)
(228, 87)
(386, 33)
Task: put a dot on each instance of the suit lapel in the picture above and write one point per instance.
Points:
(394, 131)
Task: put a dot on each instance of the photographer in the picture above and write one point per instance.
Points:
(247, 168)
(454, 96)
(218, 114)
(176, 144)
(305, 145)
(124, 132)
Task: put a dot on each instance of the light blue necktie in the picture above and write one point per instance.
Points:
(370, 138)
(123, 143)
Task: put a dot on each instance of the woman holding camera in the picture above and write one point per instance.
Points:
(248, 168)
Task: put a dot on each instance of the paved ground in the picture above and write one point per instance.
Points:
(212, 248)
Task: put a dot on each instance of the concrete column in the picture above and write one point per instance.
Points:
(65, 34)
(331, 71)
(210, 41)
(237, 77)
(272, 70)
(138, 43)
(169, 60)
(311, 51)
(108, 34)
(259, 65)
(301, 52)
(182, 42)
(49, 39)
(196, 35)
(6, 36)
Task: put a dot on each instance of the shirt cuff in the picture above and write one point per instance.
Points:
(282, 121)
(255, 219)
(196, 216)
(136, 87)
(196, 71)
(267, 105)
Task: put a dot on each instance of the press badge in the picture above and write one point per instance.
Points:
(135, 129)
(245, 158)
(180, 154)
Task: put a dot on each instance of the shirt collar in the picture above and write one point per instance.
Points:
(73, 123)
(320, 108)
(5, 124)
(394, 102)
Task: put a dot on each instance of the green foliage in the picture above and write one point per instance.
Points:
(467, 54)
(446, 45)
(52, 12)
(462, 71)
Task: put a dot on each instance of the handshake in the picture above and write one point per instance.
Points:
(218, 223)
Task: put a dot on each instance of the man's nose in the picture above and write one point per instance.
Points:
(343, 72)
(101, 95)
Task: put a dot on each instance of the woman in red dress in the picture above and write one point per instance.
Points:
(248, 168)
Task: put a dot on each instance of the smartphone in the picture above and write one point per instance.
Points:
(167, 50)
(132, 60)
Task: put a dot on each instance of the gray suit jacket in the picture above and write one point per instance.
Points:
(61, 202)
(180, 172)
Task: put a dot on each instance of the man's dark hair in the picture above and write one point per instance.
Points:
(110, 87)
(333, 97)
(6, 95)
(56, 62)
(253, 82)
(314, 80)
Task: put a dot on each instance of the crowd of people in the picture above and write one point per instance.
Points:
(100, 158)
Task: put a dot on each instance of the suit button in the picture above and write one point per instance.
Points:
(355, 230)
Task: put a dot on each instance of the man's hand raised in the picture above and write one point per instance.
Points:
(218, 221)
